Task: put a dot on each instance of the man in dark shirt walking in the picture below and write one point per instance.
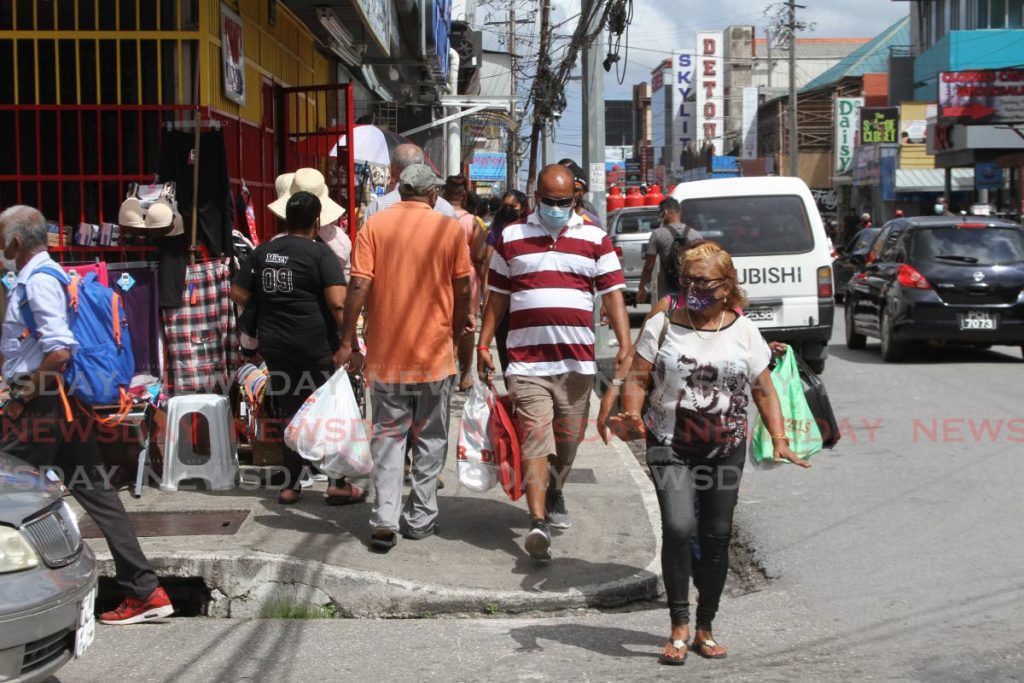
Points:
(661, 248)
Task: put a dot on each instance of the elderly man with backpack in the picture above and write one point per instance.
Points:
(48, 427)
(668, 241)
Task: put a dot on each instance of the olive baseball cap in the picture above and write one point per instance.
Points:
(419, 179)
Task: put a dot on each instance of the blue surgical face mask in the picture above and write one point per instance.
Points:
(554, 218)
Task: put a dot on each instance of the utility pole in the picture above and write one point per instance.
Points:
(512, 153)
(768, 42)
(541, 93)
(593, 108)
(794, 148)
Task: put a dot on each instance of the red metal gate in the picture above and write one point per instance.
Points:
(314, 119)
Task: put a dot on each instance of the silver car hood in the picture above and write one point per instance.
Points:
(23, 491)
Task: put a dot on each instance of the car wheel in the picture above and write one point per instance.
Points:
(892, 350)
(854, 341)
(817, 365)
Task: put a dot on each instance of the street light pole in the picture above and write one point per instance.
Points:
(593, 110)
(794, 147)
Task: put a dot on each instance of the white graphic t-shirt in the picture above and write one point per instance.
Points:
(701, 387)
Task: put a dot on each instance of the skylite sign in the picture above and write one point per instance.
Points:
(982, 96)
(847, 123)
(684, 105)
(710, 90)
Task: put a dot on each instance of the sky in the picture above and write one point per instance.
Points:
(673, 24)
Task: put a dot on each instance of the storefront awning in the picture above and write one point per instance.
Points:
(933, 179)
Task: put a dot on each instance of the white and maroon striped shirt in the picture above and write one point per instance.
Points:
(551, 285)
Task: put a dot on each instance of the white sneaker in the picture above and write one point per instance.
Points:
(538, 541)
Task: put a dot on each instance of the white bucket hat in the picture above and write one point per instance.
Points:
(312, 181)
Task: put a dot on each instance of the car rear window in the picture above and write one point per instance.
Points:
(752, 226)
(637, 222)
(981, 246)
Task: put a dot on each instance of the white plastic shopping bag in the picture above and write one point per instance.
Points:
(478, 470)
(329, 431)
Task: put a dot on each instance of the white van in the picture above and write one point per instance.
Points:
(774, 232)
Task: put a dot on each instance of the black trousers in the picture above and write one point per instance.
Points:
(713, 485)
(289, 384)
(42, 437)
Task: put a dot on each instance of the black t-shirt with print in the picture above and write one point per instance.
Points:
(287, 277)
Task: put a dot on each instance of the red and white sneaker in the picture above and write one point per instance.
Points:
(133, 611)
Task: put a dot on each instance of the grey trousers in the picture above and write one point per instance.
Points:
(417, 416)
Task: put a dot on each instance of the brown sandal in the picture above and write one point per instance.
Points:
(698, 647)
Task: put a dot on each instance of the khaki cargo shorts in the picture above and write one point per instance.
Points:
(551, 414)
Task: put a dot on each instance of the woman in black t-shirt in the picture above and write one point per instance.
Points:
(299, 287)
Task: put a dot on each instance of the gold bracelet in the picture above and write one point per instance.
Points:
(780, 436)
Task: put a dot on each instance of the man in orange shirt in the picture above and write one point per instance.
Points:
(411, 271)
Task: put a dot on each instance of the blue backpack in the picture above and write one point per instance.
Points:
(101, 369)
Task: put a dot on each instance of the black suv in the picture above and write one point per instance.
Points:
(943, 278)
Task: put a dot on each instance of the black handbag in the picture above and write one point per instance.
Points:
(821, 406)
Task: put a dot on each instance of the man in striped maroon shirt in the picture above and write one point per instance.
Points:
(545, 272)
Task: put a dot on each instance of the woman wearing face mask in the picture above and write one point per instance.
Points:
(514, 207)
(701, 363)
(456, 192)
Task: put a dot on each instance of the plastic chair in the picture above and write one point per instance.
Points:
(219, 469)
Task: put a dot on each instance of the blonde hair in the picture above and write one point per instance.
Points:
(714, 254)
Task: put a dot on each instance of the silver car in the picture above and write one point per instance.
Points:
(47, 576)
(630, 231)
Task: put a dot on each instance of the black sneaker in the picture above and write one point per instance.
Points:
(538, 541)
(557, 516)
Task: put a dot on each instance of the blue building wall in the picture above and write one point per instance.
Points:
(962, 50)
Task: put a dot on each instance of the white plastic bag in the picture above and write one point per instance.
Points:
(478, 470)
(329, 431)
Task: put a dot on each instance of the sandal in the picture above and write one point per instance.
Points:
(679, 646)
(358, 495)
(698, 647)
(383, 540)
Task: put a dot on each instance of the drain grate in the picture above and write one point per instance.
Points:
(219, 523)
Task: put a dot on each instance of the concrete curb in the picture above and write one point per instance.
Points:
(243, 583)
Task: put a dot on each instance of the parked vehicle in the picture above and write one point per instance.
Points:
(47, 577)
(854, 252)
(630, 231)
(773, 230)
(950, 279)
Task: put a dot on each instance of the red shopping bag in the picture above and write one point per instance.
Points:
(505, 442)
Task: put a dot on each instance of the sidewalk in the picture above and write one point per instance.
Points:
(310, 553)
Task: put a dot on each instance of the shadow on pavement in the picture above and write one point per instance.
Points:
(607, 642)
(923, 354)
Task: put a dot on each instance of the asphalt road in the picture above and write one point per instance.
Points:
(898, 556)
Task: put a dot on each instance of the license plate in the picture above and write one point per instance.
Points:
(86, 631)
(978, 320)
(761, 315)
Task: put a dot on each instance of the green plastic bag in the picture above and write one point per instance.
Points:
(801, 427)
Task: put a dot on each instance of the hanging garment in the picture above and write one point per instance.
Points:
(199, 335)
(245, 216)
(83, 269)
(140, 291)
(215, 207)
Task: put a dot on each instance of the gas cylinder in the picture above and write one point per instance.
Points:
(633, 197)
(615, 199)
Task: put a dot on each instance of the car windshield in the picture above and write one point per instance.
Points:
(975, 246)
(752, 226)
(862, 241)
(637, 222)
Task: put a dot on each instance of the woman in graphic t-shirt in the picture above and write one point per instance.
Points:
(701, 363)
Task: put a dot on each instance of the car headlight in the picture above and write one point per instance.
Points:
(16, 554)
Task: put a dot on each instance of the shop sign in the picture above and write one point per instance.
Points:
(826, 199)
(988, 176)
(879, 125)
(847, 122)
(489, 166)
(376, 15)
(711, 90)
(684, 104)
(232, 54)
(865, 168)
(982, 96)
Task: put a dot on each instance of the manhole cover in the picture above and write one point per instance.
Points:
(219, 523)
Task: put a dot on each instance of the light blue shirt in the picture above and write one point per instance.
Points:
(49, 304)
(386, 201)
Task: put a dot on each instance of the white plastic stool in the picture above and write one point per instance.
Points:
(219, 469)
